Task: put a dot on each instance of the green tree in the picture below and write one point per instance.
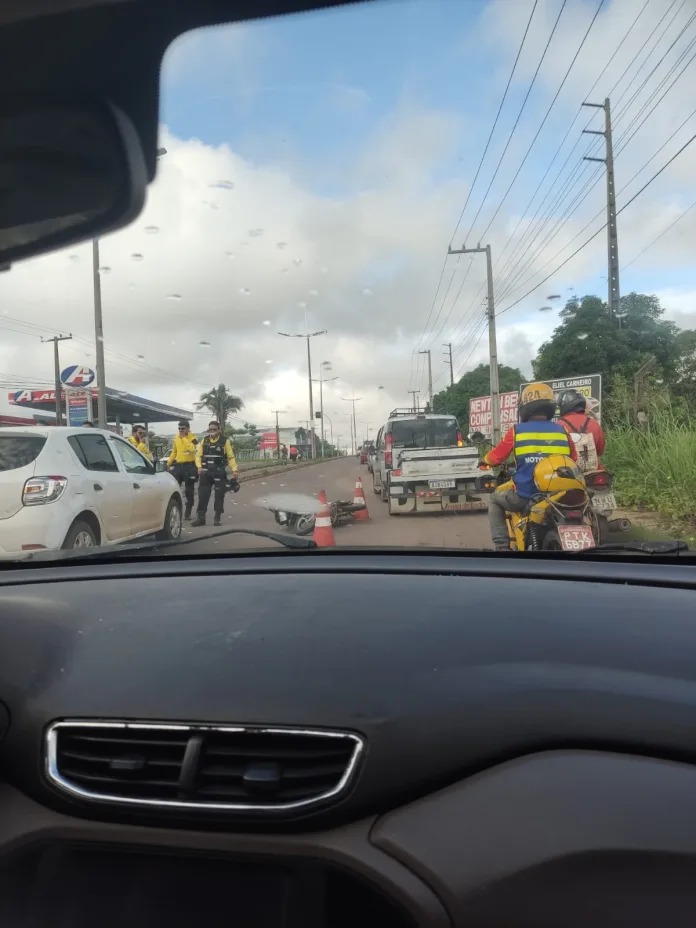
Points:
(220, 403)
(590, 341)
(455, 399)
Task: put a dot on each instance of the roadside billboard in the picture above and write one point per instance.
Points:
(590, 386)
(79, 407)
(480, 416)
(480, 407)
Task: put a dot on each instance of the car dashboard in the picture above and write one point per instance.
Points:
(242, 741)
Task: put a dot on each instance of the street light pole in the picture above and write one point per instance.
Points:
(331, 424)
(325, 365)
(353, 432)
(277, 413)
(308, 336)
(56, 365)
(99, 328)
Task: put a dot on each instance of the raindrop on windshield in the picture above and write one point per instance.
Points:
(302, 305)
(173, 296)
(545, 309)
(255, 233)
(281, 245)
(204, 344)
(136, 256)
(152, 230)
(223, 185)
(266, 322)
(583, 335)
(297, 261)
(314, 293)
(131, 286)
(141, 357)
(74, 257)
(230, 255)
(104, 270)
(269, 362)
(367, 291)
(245, 291)
(285, 270)
(324, 270)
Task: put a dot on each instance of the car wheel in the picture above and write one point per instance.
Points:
(384, 493)
(80, 535)
(172, 522)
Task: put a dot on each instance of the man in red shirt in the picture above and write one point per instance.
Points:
(572, 406)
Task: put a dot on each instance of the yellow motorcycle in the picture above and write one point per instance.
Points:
(559, 517)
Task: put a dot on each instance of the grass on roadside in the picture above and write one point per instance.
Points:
(655, 468)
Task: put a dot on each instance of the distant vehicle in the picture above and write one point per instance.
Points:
(365, 451)
(77, 488)
(421, 465)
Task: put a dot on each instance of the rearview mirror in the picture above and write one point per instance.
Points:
(67, 173)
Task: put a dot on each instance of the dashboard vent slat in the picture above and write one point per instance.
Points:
(200, 766)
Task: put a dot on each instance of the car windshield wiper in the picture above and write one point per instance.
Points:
(288, 541)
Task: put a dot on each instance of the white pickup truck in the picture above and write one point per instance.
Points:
(438, 479)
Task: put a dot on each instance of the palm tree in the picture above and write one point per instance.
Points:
(220, 402)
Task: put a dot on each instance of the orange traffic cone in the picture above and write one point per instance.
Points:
(323, 530)
(361, 515)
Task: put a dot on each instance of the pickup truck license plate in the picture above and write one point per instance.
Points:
(576, 537)
(480, 504)
(603, 501)
(442, 484)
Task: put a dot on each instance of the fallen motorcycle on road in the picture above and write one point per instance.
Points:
(297, 512)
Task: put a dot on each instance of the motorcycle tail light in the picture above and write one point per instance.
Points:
(574, 514)
(601, 479)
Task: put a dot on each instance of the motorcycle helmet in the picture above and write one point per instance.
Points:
(233, 485)
(537, 399)
(558, 473)
(571, 401)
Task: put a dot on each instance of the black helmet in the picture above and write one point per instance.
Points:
(571, 401)
(537, 399)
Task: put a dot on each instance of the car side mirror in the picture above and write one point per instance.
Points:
(68, 172)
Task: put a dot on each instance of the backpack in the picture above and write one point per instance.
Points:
(584, 445)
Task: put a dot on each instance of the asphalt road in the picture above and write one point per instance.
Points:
(337, 477)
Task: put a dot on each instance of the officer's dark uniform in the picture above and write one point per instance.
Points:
(212, 457)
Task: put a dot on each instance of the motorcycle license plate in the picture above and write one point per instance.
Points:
(442, 484)
(603, 501)
(576, 537)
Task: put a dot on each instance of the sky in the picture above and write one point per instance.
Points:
(318, 166)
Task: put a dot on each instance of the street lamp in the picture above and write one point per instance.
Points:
(308, 335)
(324, 366)
(353, 433)
(99, 328)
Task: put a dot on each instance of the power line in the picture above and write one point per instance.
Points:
(478, 170)
(601, 228)
(548, 113)
(663, 233)
(519, 116)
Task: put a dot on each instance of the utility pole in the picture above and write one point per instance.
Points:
(277, 413)
(614, 290)
(308, 336)
(430, 377)
(324, 366)
(414, 394)
(448, 360)
(99, 338)
(492, 343)
(353, 432)
(56, 364)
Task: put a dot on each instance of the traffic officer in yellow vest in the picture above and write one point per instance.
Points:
(213, 455)
(137, 439)
(182, 463)
(535, 437)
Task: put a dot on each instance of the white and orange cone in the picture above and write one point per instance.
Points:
(363, 514)
(323, 530)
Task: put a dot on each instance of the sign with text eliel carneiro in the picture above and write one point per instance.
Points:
(590, 386)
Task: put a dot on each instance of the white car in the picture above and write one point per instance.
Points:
(77, 487)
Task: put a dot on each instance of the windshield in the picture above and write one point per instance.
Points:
(424, 433)
(462, 229)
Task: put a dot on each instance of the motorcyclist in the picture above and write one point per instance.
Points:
(182, 462)
(572, 406)
(213, 455)
(533, 438)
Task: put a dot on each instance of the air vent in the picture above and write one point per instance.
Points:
(200, 766)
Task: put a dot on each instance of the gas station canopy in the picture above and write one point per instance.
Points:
(121, 407)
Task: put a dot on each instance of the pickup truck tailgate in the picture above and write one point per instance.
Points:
(438, 463)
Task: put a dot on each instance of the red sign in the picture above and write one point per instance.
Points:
(17, 397)
(269, 440)
(480, 413)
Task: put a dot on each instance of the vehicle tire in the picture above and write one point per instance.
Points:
(172, 522)
(80, 535)
(384, 492)
(304, 524)
(552, 541)
(375, 489)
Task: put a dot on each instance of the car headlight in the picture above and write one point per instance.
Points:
(39, 490)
